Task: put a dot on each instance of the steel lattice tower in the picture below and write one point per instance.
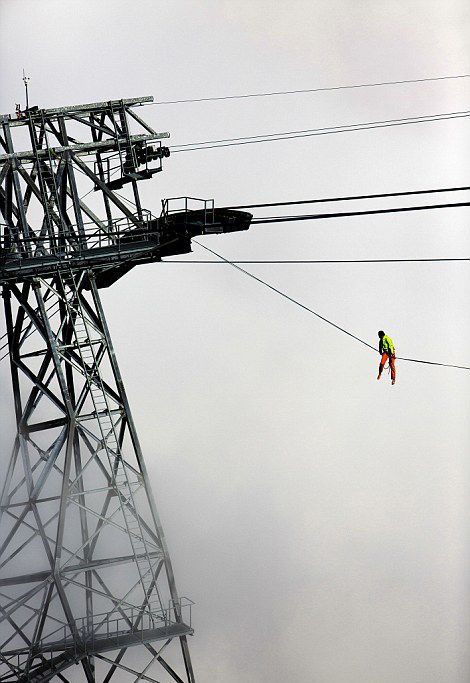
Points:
(86, 576)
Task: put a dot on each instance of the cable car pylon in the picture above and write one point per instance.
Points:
(85, 573)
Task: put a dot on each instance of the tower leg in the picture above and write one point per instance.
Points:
(77, 499)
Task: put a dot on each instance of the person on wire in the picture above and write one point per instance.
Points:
(387, 351)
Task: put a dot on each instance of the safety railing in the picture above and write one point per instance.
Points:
(108, 166)
(188, 204)
(126, 626)
(72, 240)
(138, 158)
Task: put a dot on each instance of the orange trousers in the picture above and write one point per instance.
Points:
(391, 358)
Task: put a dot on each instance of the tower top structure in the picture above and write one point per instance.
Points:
(76, 494)
(93, 140)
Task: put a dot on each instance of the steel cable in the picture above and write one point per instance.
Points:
(342, 214)
(330, 130)
(319, 261)
(310, 90)
(348, 198)
(321, 317)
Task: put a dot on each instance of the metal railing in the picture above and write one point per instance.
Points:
(72, 240)
(113, 162)
(180, 204)
(128, 625)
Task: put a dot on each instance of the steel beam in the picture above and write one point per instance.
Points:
(76, 492)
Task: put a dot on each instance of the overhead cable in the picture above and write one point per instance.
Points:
(349, 198)
(321, 317)
(310, 90)
(342, 214)
(311, 132)
(302, 261)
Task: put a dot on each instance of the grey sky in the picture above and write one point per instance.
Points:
(318, 518)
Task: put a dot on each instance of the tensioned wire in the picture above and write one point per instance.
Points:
(275, 219)
(223, 261)
(316, 314)
(311, 90)
(341, 214)
(318, 261)
(312, 132)
(348, 198)
(317, 216)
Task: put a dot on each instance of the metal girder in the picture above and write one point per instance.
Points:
(85, 108)
(82, 147)
(76, 491)
(50, 492)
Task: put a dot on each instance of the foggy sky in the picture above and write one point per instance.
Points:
(317, 517)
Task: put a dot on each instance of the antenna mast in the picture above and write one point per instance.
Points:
(26, 80)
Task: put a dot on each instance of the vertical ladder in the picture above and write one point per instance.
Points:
(109, 441)
(50, 179)
(126, 153)
(46, 178)
(118, 135)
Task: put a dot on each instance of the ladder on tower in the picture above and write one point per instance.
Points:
(85, 343)
(47, 181)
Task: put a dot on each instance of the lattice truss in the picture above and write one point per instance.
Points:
(75, 497)
(77, 153)
(85, 572)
